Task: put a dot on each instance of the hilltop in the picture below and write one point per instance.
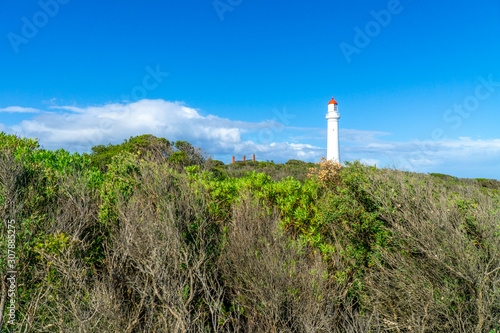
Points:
(152, 235)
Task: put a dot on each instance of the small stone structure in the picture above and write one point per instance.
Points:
(244, 159)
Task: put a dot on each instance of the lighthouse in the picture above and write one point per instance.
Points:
(333, 151)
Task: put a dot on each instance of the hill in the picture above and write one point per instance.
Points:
(152, 235)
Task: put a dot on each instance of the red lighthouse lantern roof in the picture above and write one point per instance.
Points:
(332, 102)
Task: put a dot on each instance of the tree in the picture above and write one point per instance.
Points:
(101, 155)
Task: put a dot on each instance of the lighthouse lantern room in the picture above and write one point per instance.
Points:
(333, 151)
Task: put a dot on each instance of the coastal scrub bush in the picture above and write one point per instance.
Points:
(328, 172)
(152, 236)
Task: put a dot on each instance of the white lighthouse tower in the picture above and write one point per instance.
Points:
(333, 151)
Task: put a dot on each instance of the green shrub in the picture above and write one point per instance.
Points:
(150, 235)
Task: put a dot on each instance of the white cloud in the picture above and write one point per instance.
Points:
(19, 109)
(359, 136)
(427, 155)
(78, 129)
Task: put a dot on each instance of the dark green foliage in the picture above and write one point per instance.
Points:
(443, 176)
(179, 158)
(295, 162)
(489, 183)
(293, 168)
(180, 153)
(101, 155)
(216, 163)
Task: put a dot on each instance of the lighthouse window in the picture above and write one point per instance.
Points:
(335, 107)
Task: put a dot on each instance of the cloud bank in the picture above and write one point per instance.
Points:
(80, 128)
(464, 157)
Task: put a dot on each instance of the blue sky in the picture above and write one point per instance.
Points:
(417, 82)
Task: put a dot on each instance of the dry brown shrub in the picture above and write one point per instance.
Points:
(437, 278)
(158, 275)
(328, 172)
(278, 285)
(65, 299)
(160, 261)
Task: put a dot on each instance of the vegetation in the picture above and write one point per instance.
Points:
(179, 152)
(277, 171)
(153, 236)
